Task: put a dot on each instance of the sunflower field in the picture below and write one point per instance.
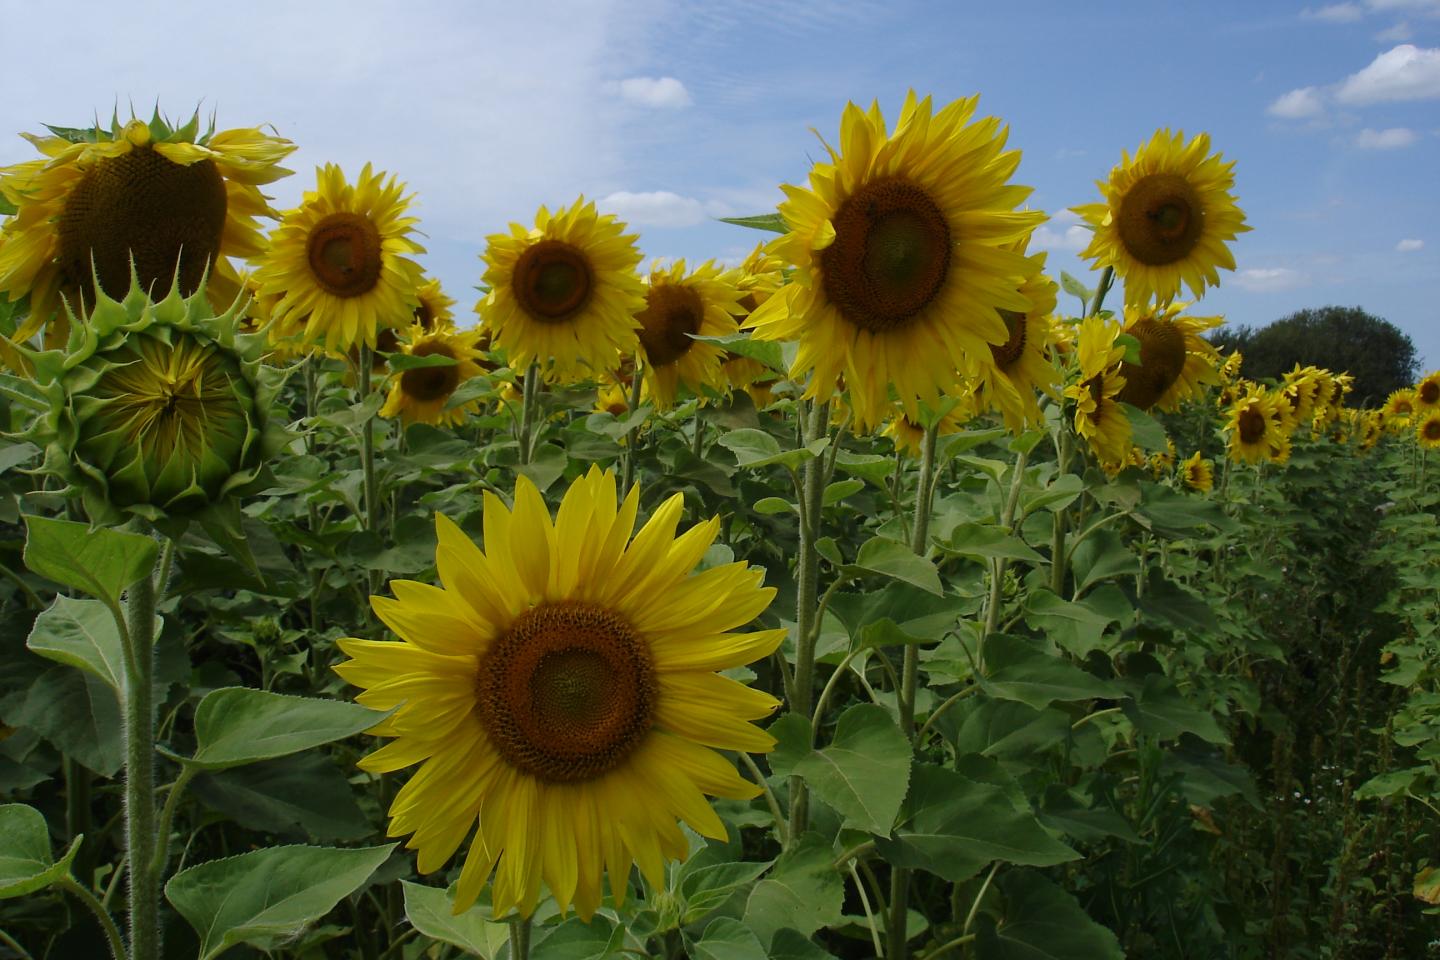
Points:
(878, 596)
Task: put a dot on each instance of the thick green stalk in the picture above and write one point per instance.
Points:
(520, 938)
(1057, 537)
(627, 470)
(999, 565)
(909, 676)
(367, 461)
(140, 773)
(527, 412)
(112, 933)
(807, 584)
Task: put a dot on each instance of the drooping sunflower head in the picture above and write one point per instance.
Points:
(421, 394)
(1161, 462)
(679, 306)
(904, 251)
(1369, 429)
(339, 264)
(1230, 369)
(1198, 473)
(1427, 430)
(759, 276)
(564, 293)
(1099, 418)
(909, 435)
(559, 691)
(1175, 361)
(176, 200)
(1021, 367)
(1254, 426)
(1167, 216)
(158, 409)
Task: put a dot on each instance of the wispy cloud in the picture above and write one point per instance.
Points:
(654, 208)
(663, 92)
(1335, 13)
(1300, 104)
(1063, 232)
(1390, 139)
(1404, 72)
(1395, 33)
(1270, 279)
(1409, 246)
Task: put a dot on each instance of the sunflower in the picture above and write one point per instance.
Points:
(420, 394)
(759, 276)
(1161, 462)
(563, 294)
(1427, 393)
(1254, 426)
(1230, 369)
(1370, 428)
(1175, 361)
(1398, 410)
(1022, 364)
(1198, 473)
(559, 691)
(1099, 418)
(1427, 430)
(1168, 215)
(676, 305)
(904, 253)
(908, 435)
(339, 264)
(175, 199)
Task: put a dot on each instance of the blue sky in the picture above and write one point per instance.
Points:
(673, 113)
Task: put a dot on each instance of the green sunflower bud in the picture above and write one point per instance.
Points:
(158, 410)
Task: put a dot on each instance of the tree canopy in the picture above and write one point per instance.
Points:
(1378, 354)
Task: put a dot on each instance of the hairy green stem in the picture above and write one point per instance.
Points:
(167, 817)
(807, 584)
(527, 412)
(1107, 279)
(520, 938)
(1057, 536)
(140, 772)
(627, 471)
(367, 461)
(112, 933)
(999, 565)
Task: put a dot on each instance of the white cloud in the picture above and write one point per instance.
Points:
(1074, 238)
(1409, 246)
(654, 208)
(1397, 33)
(1335, 13)
(1425, 7)
(664, 92)
(1269, 279)
(1390, 139)
(1298, 104)
(1404, 72)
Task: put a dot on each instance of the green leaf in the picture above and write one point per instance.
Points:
(790, 944)
(709, 887)
(803, 892)
(756, 448)
(1393, 783)
(728, 939)
(266, 897)
(954, 826)
(80, 714)
(102, 562)
(81, 634)
(1168, 602)
(764, 221)
(1159, 709)
(1075, 288)
(302, 795)
(1145, 431)
(1018, 668)
(1056, 495)
(987, 541)
(1077, 626)
(1132, 348)
(792, 743)
(1103, 555)
(577, 940)
(864, 771)
(238, 725)
(770, 506)
(1043, 922)
(765, 351)
(400, 362)
(893, 559)
(1009, 730)
(841, 489)
(431, 911)
(25, 861)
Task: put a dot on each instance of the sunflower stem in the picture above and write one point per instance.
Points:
(1057, 536)
(112, 933)
(140, 772)
(627, 470)
(367, 458)
(807, 584)
(1107, 280)
(527, 412)
(999, 565)
(519, 938)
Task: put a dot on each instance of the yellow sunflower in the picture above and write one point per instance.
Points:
(904, 252)
(559, 693)
(1161, 462)
(1175, 361)
(1254, 426)
(1099, 418)
(1427, 393)
(908, 435)
(1167, 216)
(339, 264)
(1427, 430)
(1230, 369)
(703, 302)
(419, 395)
(564, 293)
(174, 199)
(1198, 473)
(1022, 366)
(759, 276)
(1370, 428)
(1398, 410)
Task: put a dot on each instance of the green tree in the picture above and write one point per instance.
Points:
(1378, 354)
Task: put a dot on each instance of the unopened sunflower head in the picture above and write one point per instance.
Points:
(173, 201)
(158, 409)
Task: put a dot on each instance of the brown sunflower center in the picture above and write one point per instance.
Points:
(890, 255)
(167, 215)
(553, 280)
(1251, 423)
(672, 312)
(1161, 219)
(429, 384)
(1162, 359)
(344, 251)
(1404, 408)
(1429, 392)
(1013, 348)
(1096, 386)
(1432, 430)
(568, 692)
(425, 316)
